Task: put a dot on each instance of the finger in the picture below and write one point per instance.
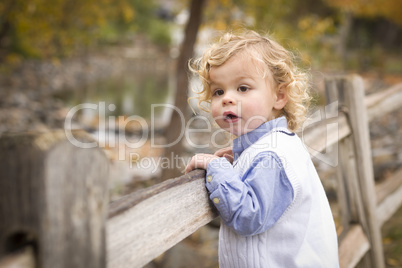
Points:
(190, 166)
(221, 152)
(196, 162)
(199, 161)
(229, 157)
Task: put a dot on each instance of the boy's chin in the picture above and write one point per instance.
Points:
(234, 129)
(236, 132)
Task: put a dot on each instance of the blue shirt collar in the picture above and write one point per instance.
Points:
(244, 141)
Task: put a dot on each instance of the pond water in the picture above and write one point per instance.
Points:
(125, 95)
(104, 104)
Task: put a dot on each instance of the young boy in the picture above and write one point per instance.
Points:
(266, 189)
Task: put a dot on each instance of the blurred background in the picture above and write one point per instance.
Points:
(126, 55)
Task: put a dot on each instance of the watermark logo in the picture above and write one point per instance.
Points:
(111, 132)
(324, 122)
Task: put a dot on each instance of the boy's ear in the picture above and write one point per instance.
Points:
(281, 97)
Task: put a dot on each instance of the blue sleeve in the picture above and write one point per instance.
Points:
(253, 203)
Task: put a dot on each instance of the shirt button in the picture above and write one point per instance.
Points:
(209, 178)
(216, 200)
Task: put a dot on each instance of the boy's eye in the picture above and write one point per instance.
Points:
(243, 89)
(218, 92)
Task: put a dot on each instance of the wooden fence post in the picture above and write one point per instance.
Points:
(351, 95)
(348, 192)
(53, 199)
(349, 196)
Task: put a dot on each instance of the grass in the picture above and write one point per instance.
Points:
(392, 240)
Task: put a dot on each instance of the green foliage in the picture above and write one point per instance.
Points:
(159, 33)
(43, 29)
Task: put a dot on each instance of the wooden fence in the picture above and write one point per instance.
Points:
(54, 210)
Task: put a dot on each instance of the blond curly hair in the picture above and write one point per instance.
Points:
(278, 60)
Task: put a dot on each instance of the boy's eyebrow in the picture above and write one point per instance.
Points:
(248, 76)
(245, 77)
(238, 80)
(211, 83)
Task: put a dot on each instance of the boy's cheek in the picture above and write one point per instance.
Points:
(216, 116)
(214, 111)
(220, 123)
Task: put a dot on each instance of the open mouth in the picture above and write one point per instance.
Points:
(230, 117)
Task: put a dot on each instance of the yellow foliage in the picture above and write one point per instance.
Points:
(316, 27)
(390, 9)
(13, 59)
(126, 10)
(56, 62)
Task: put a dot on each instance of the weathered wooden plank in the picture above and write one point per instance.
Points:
(353, 210)
(352, 94)
(328, 132)
(319, 136)
(141, 227)
(348, 192)
(384, 102)
(325, 133)
(346, 205)
(389, 197)
(22, 259)
(353, 247)
(349, 196)
(353, 187)
(53, 197)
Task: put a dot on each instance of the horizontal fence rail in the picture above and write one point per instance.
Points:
(147, 224)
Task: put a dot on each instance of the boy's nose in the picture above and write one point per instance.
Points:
(228, 99)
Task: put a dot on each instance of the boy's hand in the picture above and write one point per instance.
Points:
(225, 152)
(199, 161)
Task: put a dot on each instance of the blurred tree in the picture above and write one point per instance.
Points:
(176, 127)
(376, 26)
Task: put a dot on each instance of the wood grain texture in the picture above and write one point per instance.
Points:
(353, 247)
(159, 219)
(321, 135)
(324, 134)
(384, 102)
(348, 192)
(347, 204)
(53, 197)
(352, 93)
(389, 197)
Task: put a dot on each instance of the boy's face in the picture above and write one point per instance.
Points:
(242, 99)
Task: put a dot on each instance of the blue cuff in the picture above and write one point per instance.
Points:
(217, 172)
